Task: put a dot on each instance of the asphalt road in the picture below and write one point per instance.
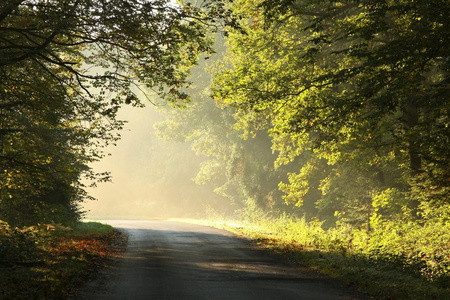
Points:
(172, 260)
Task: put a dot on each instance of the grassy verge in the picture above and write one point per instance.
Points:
(48, 261)
(356, 259)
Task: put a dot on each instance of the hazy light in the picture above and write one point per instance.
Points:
(151, 178)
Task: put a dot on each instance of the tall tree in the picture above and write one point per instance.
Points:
(66, 67)
(240, 169)
(362, 85)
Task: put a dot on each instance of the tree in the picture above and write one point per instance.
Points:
(241, 170)
(66, 67)
(362, 85)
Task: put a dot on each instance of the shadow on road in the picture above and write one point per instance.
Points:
(171, 260)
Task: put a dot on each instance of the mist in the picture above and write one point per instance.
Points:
(151, 178)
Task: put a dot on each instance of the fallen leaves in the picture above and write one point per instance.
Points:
(39, 264)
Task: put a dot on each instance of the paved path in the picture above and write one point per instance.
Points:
(172, 260)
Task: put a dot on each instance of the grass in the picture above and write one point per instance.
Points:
(341, 256)
(49, 261)
(92, 228)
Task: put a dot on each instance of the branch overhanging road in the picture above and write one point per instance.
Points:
(173, 260)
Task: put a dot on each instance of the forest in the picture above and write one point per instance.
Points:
(331, 113)
(327, 117)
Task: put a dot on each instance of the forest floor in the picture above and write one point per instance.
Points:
(50, 262)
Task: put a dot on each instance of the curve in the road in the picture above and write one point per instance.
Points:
(173, 260)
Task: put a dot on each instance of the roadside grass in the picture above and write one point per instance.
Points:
(353, 258)
(49, 261)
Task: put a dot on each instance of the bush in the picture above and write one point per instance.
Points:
(17, 246)
(408, 258)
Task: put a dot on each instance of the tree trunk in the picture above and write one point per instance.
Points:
(411, 118)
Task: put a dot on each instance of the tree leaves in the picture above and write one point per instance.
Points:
(66, 67)
(353, 82)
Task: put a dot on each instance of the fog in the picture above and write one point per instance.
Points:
(150, 178)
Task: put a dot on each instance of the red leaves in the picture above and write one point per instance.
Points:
(281, 245)
(92, 246)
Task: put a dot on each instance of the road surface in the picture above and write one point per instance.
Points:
(173, 260)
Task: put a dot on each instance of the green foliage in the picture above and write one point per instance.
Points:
(86, 228)
(353, 95)
(397, 260)
(17, 245)
(241, 170)
(66, 68)
(420, 249)
(390, 204)
(47, 261)
(352, 98)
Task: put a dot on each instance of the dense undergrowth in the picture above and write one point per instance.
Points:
(393, 261)
(49, 261)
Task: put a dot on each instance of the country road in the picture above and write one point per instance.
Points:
(172, 260)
